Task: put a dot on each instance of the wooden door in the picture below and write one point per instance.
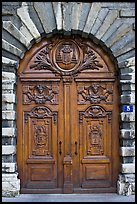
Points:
(67, 118)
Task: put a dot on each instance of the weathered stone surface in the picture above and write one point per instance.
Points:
(26, 33)
(11, 28)
(99, 20)
(10, 185)
(9, 132)
(47, 18)
(75, 16)
(128, 168)
(111, 30)
(125, 48)
(127, 151)
(10, 98)
(23, 13)
(128, 99)
(58, 14)
(122, 58)
(83, 15)
(7, 86)
(8, 149)
(11, 62)
(112, 15)
(95, 8)
(8, 76)
(128, 117)
(127, 13)
(8, 106)
(127, 134)
(125, 188)
(119, 33)
(11, 48)
(127, 87)
(8, 115)
(66, 9)
(8, 167)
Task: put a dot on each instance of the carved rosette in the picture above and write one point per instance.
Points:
(67, 57)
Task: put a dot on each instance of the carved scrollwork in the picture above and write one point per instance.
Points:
(94, 111)
(94, 93)
(66, 57)
(40, 112)
(40, 94)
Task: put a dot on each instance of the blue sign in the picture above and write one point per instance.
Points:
(128, 108)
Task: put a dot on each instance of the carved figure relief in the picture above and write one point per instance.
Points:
(66, 57)
(40, 94)
(95, 140)
(95, 93)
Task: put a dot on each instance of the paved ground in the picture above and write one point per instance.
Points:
(111, 197)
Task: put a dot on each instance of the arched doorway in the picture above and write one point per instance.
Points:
(67, 118)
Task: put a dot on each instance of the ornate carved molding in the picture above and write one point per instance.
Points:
(66, 57)
(94, 111)
(40, 112)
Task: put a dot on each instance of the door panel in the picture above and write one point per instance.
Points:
(67, 118)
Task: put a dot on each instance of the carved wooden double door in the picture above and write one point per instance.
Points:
(67, 118)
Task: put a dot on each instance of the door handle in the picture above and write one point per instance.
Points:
(76, 148)
(60, 147)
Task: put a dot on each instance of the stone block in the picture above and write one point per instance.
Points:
(128, 99)
(8, 61)
(8, 106)
(10, 185)
(47, 18)
(8, 167)
(13, 30)
(127, 13)
(11, 48)
(8, 115)
(8, 149)
(23, 13)
(128, 117)
(9, 132)
(9, 98)
(127, 151)
(8, 77)
(128, 168)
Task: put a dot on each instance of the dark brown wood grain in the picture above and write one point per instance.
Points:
(67, 118)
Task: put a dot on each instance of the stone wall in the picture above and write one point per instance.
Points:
(112, 25)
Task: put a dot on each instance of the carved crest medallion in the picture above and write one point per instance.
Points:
(66, 55)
